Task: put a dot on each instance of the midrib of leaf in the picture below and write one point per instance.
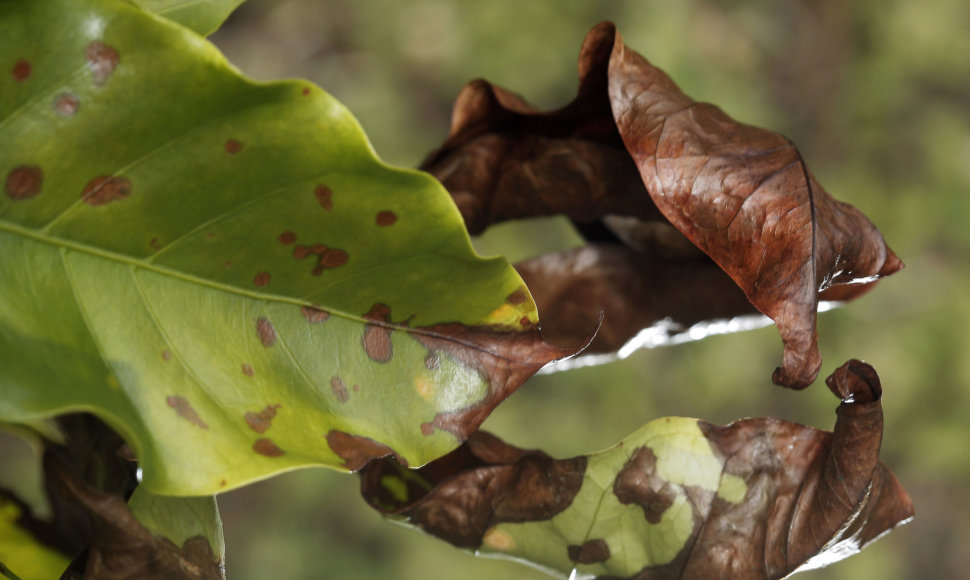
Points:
(192, 279)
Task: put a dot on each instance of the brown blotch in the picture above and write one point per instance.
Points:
(228, 264)
(339, 389)
(67, 104)
(247, 369)
(305, 91)
(232, 147)
(21, 70)
(155, 244)
(356, 451)
(24, 182)
(432, 362)
(287, 238)
(318, 248)
(638, 483)
(105, 189)
(102, 60)
(260, 422)
(377, 339)
(314, 314)
(261, 279)
(356, 388)
(427, 428)
(166, 355)
(222, 483)
(302, 251)
(333, 258)
(266, 331)
(517, 297)
(324, 196)
(265, 446)
(590, 552)
(386, 218)
(524, 321)
(184, 410)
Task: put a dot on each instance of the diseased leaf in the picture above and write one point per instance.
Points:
(203, 17)
(632, 148)
(221, 266)
(680, 498)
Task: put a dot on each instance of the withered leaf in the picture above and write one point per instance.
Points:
(632, 145)
(681, 498)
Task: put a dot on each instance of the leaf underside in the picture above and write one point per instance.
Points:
(680, 498)
(222, 270)
(636, 163)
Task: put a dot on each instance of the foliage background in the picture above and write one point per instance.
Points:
(877, 97)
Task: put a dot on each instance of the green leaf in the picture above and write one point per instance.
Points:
(222, 270)
(21, 553)
(202, 16)
(180, 518)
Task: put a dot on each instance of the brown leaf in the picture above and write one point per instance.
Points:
(763, 497)
(632, 146)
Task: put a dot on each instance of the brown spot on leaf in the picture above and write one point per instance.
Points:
(228, 264)
(232, 147)
(155, 244)
(24, 182)
(102, 60)
(356, 451)
(524, 321)
(638, 483)
(324, 196)
(287, 238)
(427, 428)
(305, 91)
(302, 251)
(265, 446)
(377, 338)
(184, 410)
(432, 362)
(222, 483)
(517, 297)
(105, 189)
(314, 314)
(22, 70)
(266, 331)
(260, 422)
(590, 552)
(261, 279)
(386, 218)
(166, 355)
(333, 258)
(67, 104)
(247, 369)
(339, 390)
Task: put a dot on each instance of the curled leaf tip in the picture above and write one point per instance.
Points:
(855, 382)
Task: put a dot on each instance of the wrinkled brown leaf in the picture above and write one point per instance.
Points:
(632, 145)
(788, 496)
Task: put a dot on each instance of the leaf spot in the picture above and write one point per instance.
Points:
(427, 429)
(184, 410)
(166, 355)
(517, 297)
(155, 244)
(247, 369)
(287, 238)
(305, 91)
(105, 189)
(261, 279)
(302, 251)
(232, 147)
(524, 321)
(356, 451)
(24, 182)
(67, 104)
(314, 314)
(386, 218)
(21, 70)
(102, 60)
(498, 540)
(265, 446)
(377, 339)
(324, 196)
(260, 422)
(339, 390)
(590, 552)
(266, 332)
(432, 362)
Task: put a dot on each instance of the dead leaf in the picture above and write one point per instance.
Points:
(682, 498)
(631, 146)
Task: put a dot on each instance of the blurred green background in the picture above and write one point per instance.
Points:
(877, 97)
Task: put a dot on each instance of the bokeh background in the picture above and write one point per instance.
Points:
(876, 94)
